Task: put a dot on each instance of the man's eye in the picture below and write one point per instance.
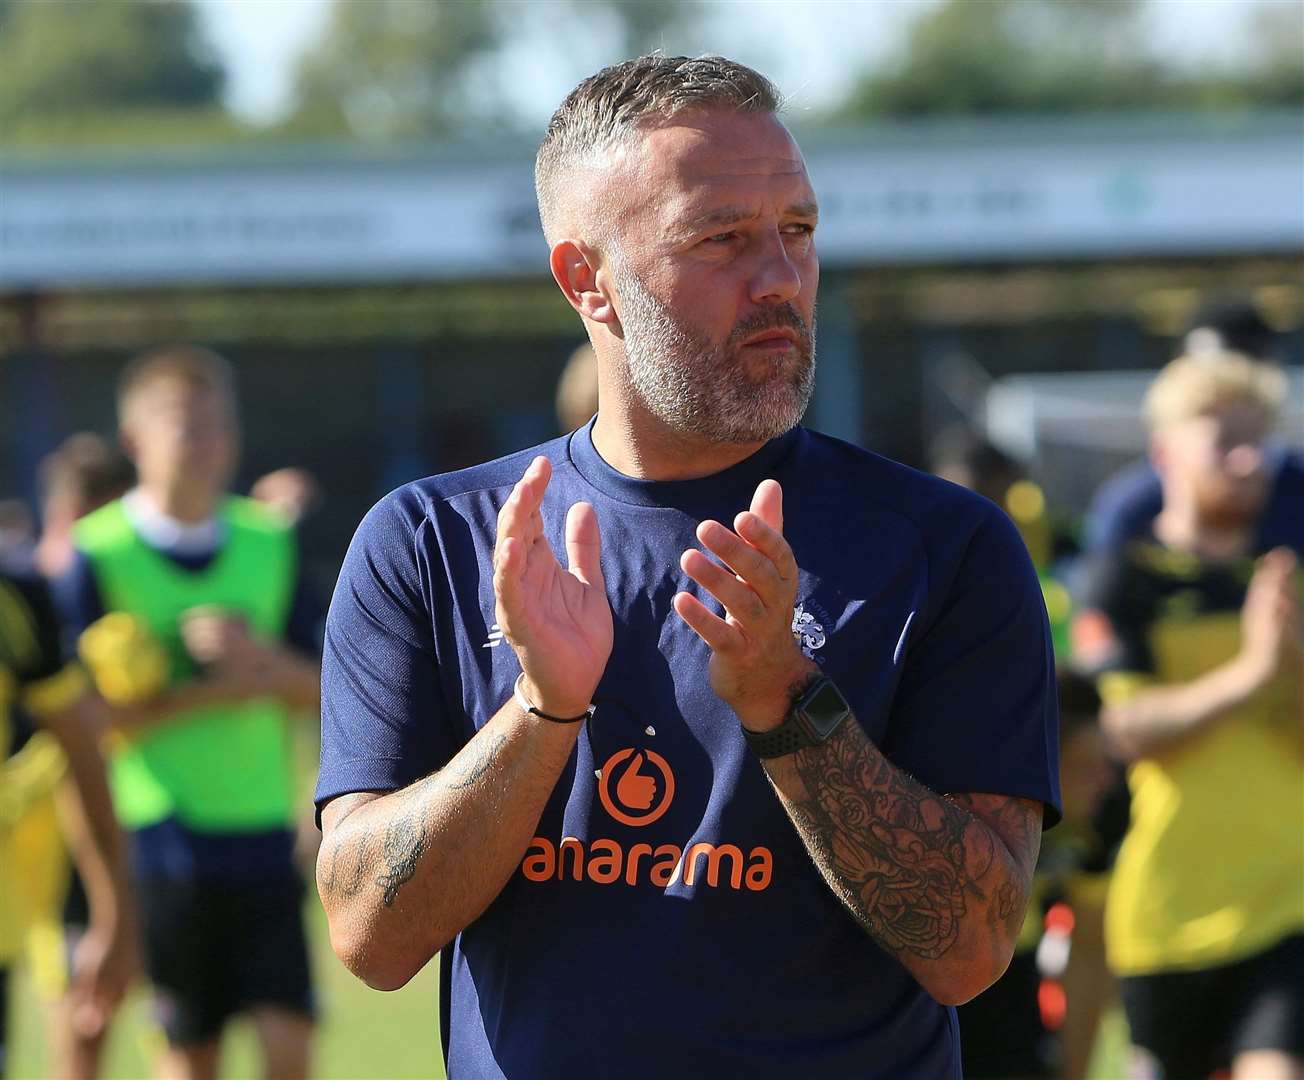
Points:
(721, 238)
(800, 229)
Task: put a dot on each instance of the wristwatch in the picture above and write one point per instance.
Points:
(813, 718)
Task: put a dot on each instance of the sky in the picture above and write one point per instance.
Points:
(811, 48)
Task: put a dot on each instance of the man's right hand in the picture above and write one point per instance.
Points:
(1270, 617)
(558, 621)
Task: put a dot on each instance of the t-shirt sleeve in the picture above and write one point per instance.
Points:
(1123, 508)
(1114, 596)
(383, 718)
(976, 709)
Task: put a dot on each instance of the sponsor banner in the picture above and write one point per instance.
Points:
(1075, 188)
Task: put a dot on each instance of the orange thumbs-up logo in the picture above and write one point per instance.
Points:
(636, 786)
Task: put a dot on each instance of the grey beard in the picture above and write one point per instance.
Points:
(698, 389)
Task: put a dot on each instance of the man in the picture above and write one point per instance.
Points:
(197, 628)
(1128, 502)
(84, 473)
(583, 785)
(49, 723)
(1205, 914)
(1002, 1029)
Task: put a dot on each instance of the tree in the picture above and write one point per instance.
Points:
(645, 26)
(391, 69)
(1279, 43)
(58, 59)
(1060, 56)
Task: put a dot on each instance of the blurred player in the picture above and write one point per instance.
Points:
(17, 528)
(83, 474)
(1126, 504)
(1002, 1034)
(577, 389)
(293, 493)
(50, 724)
(197, 628)
(1205, 916)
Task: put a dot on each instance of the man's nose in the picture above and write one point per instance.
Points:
(777, 279)
(1245, 460)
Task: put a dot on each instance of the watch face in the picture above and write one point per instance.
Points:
(826, 710)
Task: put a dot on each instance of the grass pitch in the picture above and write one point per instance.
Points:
(363, 1034)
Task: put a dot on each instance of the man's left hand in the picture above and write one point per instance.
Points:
(756, 665)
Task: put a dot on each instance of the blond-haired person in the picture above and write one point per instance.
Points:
(199, 630)
(1205, 917)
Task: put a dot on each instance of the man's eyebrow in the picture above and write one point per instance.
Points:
(725, 215)
(729, 215)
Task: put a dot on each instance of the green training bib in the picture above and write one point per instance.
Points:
(222, 768)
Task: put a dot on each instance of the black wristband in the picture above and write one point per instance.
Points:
(524, 704)
(779, 742)
(816, 713)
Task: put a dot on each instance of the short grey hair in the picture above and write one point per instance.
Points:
(608, 106)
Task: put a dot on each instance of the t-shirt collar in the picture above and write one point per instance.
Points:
(166, 533)
(703, 496)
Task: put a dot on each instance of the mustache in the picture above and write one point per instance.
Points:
(778, 317)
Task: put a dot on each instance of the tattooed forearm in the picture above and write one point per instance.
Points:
(909, 864)
(402, 873)
(472, 772)
(345, 882)
(1018, 824)
(894, 851)
(406, 837)
(352, 858)
(405, 843)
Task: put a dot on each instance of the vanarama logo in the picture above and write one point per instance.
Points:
(631, 795)
(636, 787)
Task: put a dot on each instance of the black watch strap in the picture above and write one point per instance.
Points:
(812, 719)
(787, 738)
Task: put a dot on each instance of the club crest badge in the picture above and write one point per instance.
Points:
(808, 631)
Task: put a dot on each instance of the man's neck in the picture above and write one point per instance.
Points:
(1180, 527)
(189, 505)
(635, 443)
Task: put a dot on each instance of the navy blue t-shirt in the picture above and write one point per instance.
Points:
(692, 936)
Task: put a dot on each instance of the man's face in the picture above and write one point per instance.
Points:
(179, 433)
(715, 272)
(1218, 458)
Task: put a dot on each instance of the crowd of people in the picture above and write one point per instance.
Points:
(160, 646)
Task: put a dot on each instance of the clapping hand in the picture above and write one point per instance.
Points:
(558, 620)
(1270, 617)
(755, 660)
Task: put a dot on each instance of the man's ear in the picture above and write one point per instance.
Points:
(575, 267)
